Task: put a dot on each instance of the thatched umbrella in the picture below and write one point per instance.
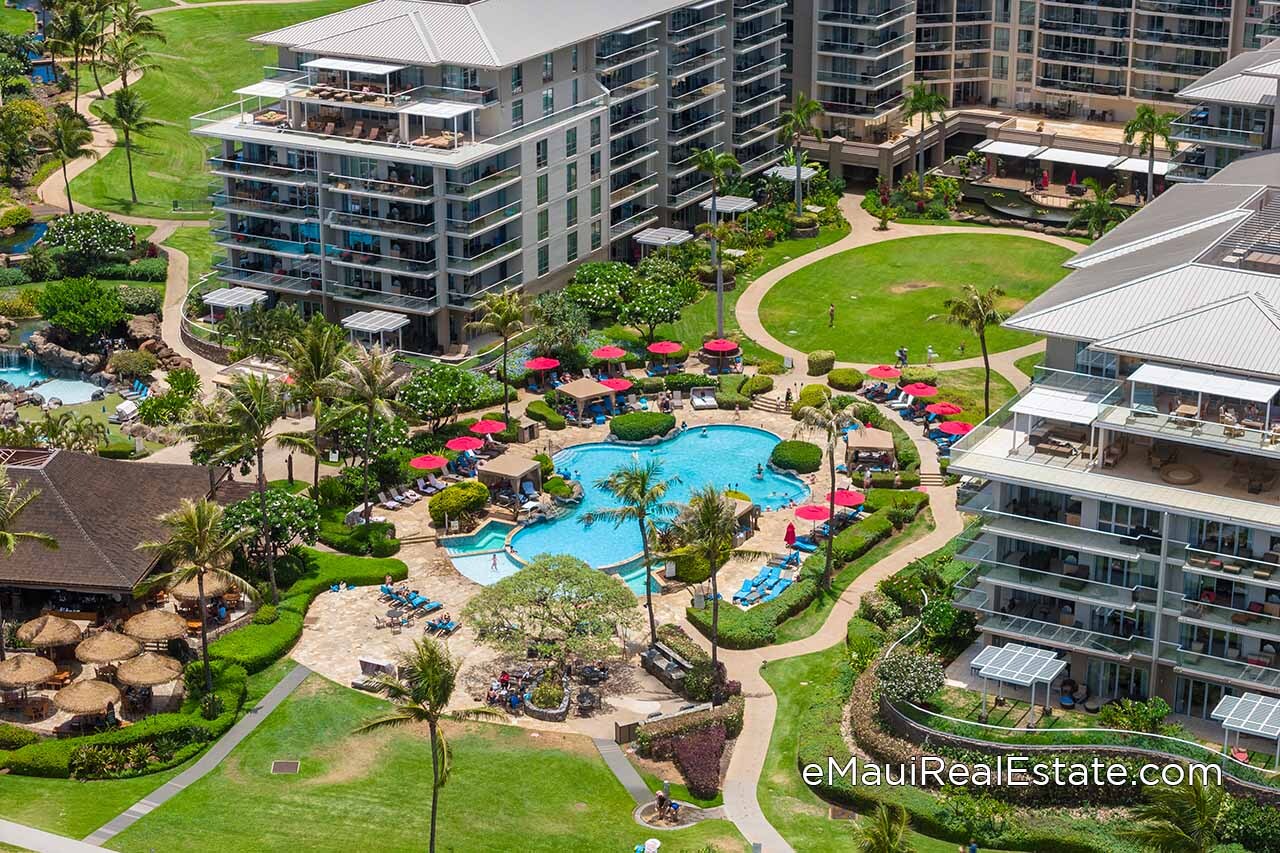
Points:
(156, 626)
(107, 647)
(26, 670)
(148, 670)
(86, 697)
(46, 631)
(213, 587)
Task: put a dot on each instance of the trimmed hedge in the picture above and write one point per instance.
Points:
(859, 537)
(803, 457)
(681, 643)
(846, 379)
(758, 384)
(697, 757)
(888, 479)
(16, 737)
(686, 381)
(538, 410)
(469, 496)
(810, 395)
(656, 739)
(691, 567)
(919, 373)
(751, 629)
(730, 400)
(639, 426)
(820, 362)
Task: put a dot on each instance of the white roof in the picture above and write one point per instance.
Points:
(234, 297)
(1059, 404)
(789, 173)
(265, 89)
(1076, 158)
(662, 237)
(1251, 713)
(1201, 381)
(730, 204)
(375, 322)
(1005, 149)
(1017, 664)
(1139, 164)
(354, 66)
(439, 109)
(1240, 89)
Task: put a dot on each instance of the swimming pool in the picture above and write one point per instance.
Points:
(724, 455)
(490, 536)
(69, 391)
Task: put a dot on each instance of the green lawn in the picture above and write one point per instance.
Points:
(206, 58)
(73, 808)
(196, 243)
(16, 21)
(964, 388)
(884, 294)
(538, 791)
(1028, 363)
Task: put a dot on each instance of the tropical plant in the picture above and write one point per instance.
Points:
(129, 117)
(1149, 128)
(14, 500)
(975, 311)
(830, 421)
(924, 102)
(1097, 211)
(127, 57)
(797, 123)
(81, 308)
(313, 359)
(199, 546)
(884, 830)
(419, 693)
(129, 19)
(641, 492)
(70, 33)
(719, 166)
(501, 314)
(20, 123)
(12, 69)
(1186, 818)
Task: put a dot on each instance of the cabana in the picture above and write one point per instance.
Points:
(748, 517)
(1020, 666)
(1250, 714)
(869, 445)
(376, 323)
(585, 391)
(511, 470)
(252, 366)
(226, 298)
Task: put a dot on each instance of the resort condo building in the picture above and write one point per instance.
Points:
(1129, 495)
(411, 156)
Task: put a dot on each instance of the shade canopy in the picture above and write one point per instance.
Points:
(870, 438)
(353, 66)
(86, 697)
(48, 630)
(26, 670)
(664, 347)
(428, 462)
(1140, 165)
(148, 670)
(720, 345)
(608, 352)
(585, 389)
(107, 647)
(919, 389)
(1204, 382)
(487, 427)
(884, 371)
(542, 362)
(813, 512)
(998, 148)
(156, 626)
(956, 427)
(189, 590)
(847, 497)
(440, 109)
(1058, 404)
(730, 204)
(234, 297)
(662, 237)
(616, 384)
(1075, 158)
(374, 322)
(512, 469)
(1251, 714)
(788, 173)
(942, 407)
(463, 443)
(1021, 666)
(266, 89)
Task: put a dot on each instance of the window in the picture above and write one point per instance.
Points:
(517, 80)
(1024, 71)
(543, 190)
(544, 224)
(1128, 520)
(1025, 42)
(571, 247)
(571, 211)
(1001, 41)
(573, 91)
(1027, 13)
(595, 200)
(548, 67)
(1003, 11)
(595, 131)
(570, 177)
(571, 142)
(544, 260)
(1000, 68)
(595, 235)
(595, 165)
(548, 101)
(517, 112)
(540, 153)
(1095, 363)
(573, 59)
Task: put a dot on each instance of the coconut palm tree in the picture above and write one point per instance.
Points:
(719, 167)
(420, 693)
(501, 314)
(70, 33)
(797, 123)
(129, 20)
(883, 831)
(641, 492)
(127, 57)
(1149, 128)
(928, 105)
(830, 422)
(99, 14)
(129, 117)
(707, 526)
(69, 138)
(367, 384)
(1183, 819)
(975, 311)
(1097, 211)
(198, 546)
(14, 499)
(313, 359)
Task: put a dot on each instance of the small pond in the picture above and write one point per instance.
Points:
(23, 238)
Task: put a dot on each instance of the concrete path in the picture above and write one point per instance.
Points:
(623, 769)
(39, 840)
(207, 762)
(175, 298)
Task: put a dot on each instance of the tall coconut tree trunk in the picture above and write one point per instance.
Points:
(799, 187)
(831, 507)
(128, 157)
(715, 262)
(204, 633)
(315, 442)
(4, 636)
(93, 67)
(433, 728)
(921, 151)
(266, 530)
(986, 379)
(368, 440)
(75, 73)
(66, 182)
(506, 387)
(715, 617)
(648, 584)
(1151, 171)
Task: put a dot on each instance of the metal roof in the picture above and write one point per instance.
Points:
(1238, 89)
(730, 204)
(352, 66)
(1204, 382)
(1017, 664)
(789, 173)
(1006, 149)
(1059, 404)
(1140, 164)
(374, 322)
(440, 109)
(265, 89)
(1075, 158)
(234, 297)
(662, 237)
(1251, 713)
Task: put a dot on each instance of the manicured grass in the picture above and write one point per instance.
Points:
(884, 294)
(73, 808)
(16, 21)
(206, 58)
(541, 791)
(964, 387)
(1028, 363)
(196, 243)
(98, 410)
(679, 792)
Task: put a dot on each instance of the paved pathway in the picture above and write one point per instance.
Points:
(623, 769)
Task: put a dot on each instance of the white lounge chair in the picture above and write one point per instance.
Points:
(633, 402)
(702, 398)
(426, 488)
(439, 486)
(387, 502)
(902, 402)
(405, 495)
(677, 400)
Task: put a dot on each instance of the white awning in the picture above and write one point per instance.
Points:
(1058, 404)
(662, 237)
(730, 204)
(1139, 164)
(788, 173)
(439, 109)
(374, 322)
(1076, 158)
(1252, 714)
(1016, 664)
(265, 89)
(354, 66)
(1005, 149)
(1204, 382)
(233, 297)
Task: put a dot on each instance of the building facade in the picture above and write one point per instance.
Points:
(1129, 495)
(413, 156)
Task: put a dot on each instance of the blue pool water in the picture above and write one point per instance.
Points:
(23, 238)
(724, 455)
(490, 536)
(69, 391)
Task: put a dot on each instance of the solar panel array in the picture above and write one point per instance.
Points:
(1016, 664)
(1250, 713)
(233, 297)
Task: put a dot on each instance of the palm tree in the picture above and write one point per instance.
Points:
(883, 831)
(975, 311)
(70, 32)
(707, 525)
(420, 693)
(1097, 211)
(198, 546)
(928, 105)
(126, 56)
(641, 492)
(14, 499)
(69, 138)
(367, 383)
(239, 424)
(797, 123)
(98, 12)
(129, 118)
(831, 422)
(719, 166)
(501, 314)
(314, 358)
(1150, 127)
(1182, 819)
(130, 21)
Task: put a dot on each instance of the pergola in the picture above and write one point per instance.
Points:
(355, 66)
(261, 368)
(1250, 714)
(788, 173)
(1202, 382)
(445, 111)
(731, 204)
(657, 238)
(241, 298)
(583, 391)
(511, 469)
(1020, 666)
(376, 323)
(868, 440)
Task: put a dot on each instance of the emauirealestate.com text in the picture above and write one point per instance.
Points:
(1009, 770)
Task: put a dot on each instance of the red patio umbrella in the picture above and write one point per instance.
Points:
(919, 389)
(542, 364)
(608, 352)
(942, 407)
(616, 384)
(790, 537)
(664, 349)
(429, 462)
(720, 346)
(955, 427)
(464, 442)
(487, 427)
(847, 497)
(1045, 180)
(884, 371)
(1074, 179)
(813, 512)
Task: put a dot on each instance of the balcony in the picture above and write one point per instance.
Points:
(622, 57)
(1229, 567)
(759, 100)
(757, 9)
(633, 121)
(1079, 28)
(485, 257)
(1077, 58)
(646, 216)
(1195, 10)
(1249, 623)
(484, 221)
(866, 80)
(483, 185)
(1072, 583)
(1184, 171)
(756, 129)
(382, 299)
(633, 189)
(1183, 37)
(378, 188)
(1218, 433)
(1095, 4)
(425, 231)
(760, 161)
(268, 245)
(364, 259)
(1065, 637)
(680, 67)
(872, 18)
(686, 197)
(622, 92)
(303, 282)
(695, 96)
(1080, 86)
(467, 300)
(680, 33)
(1194, 127)
(1240, 672)
(695, 128)
(248, 206)
(1181, 69)
(236, 167)
(748, 72)
(845, 108)
(742, 43)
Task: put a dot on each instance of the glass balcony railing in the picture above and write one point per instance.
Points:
(1084, 28)
(870, 18)
(271, 245)
(743, 42)
(249, 206)
(1202, 131)
(467, 299)
(680, 32)
(696, 127)
(1197, 10)
(1253, 622)
(304, 281)
(767, 158)
(1206, 39)
(238, 167)
(1081, 86)
(847, 108)
(637, 220)
(634, 155)
(609, 61)
(364, 259)
(1079, 58)
(1240, 672)
(1226, 432)
(382, 299)
(1232, 567)
(1036, 582)
(1065, 637)
(484, 184)
(873, 78)
(377, 187)
(484, 257)
(484, 221)
(633, 121)
(379, 225)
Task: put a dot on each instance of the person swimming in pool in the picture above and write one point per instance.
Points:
(704, 432)
(759, 471)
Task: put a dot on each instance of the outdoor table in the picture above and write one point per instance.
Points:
(1185, 414)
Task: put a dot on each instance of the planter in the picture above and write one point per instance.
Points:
(550, 715)
(729, 283)
(802, 233)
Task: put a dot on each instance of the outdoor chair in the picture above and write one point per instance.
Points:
(425, 488)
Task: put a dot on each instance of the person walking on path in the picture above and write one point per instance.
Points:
(831, 316)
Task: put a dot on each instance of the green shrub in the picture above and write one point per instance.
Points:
(141, 300)
(16, 737)
(731, 400)
(919, 373)
(845, 379)
(639, 426)
(548, 466)
(771, 367)
(376, 538)
(805, 220)
(266, 614)
(820, 362)
(691, 567)
(13, 277)
(652, 736)
(458, 499)
(895, 479)
(686, 381)
(651, 384)
(557, 487)
(758, 384)
(21, 303)
(751, 629)
(803, 457)
(131, 363)
(538, 410)
(83, 308)
(147, 269)
(16, 217)
(878, 499)
(810, 395)
(859, 537)
(681, 643)
(548, 693)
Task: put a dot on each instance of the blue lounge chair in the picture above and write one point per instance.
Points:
(601, 419)
(527, 489)
(448, 627)
(743, 591)
(751, 598)
(804, 543)
(387, 593)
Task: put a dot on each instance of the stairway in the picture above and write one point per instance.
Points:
(932, 480)
(770, 403)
